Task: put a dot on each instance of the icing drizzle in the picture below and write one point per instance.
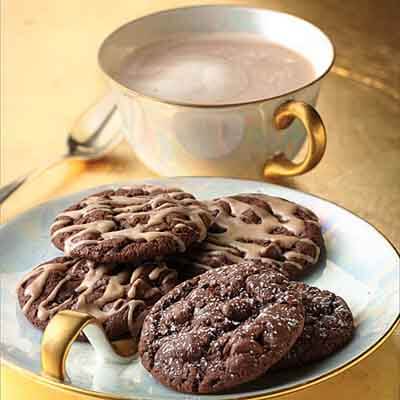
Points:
(124, 287)
(237, 240)
(142, 210)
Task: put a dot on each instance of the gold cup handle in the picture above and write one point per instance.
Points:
(62, 331)
(279, 165)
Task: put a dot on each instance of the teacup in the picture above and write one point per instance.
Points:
(251, 139)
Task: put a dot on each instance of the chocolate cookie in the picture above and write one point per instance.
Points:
(328, 327)
(131, 224)
(118, 295)
(258, 226)
(222, 328)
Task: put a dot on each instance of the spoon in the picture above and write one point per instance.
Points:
(93, 135)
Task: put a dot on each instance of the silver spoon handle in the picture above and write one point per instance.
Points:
(8, 189)
(99, 119)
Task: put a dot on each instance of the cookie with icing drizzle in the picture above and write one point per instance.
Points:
(258, 226)
(222, 328)
(328, 326)
(133, 223)
(119, 296)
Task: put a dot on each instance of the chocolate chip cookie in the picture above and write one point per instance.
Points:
(119, 296)
(222, 328)
(328, 327)
(133, 223)
(258, 226)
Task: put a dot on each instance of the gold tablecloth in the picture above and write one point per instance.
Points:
(50, 74)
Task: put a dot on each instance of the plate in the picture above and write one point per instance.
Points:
(361, 266)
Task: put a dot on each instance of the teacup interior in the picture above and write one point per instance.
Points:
(281, 29)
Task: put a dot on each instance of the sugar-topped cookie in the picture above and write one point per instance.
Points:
(222, 328)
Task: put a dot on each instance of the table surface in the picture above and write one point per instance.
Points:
(50, 74)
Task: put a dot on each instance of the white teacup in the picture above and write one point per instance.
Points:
(250, 139)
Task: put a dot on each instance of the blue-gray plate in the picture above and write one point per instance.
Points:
(361, 266)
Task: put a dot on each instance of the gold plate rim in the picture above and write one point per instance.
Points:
(108, 396)
(101, 395)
